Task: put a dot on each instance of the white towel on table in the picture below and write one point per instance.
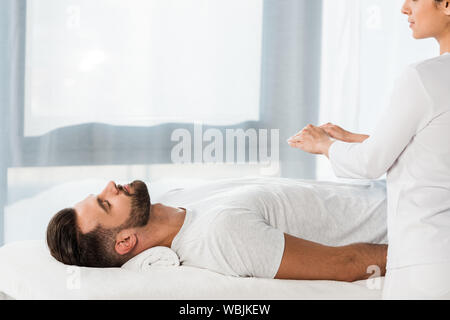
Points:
(153, 257)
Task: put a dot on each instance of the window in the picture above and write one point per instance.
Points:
(141, 62)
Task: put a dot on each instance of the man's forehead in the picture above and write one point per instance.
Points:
(87, 213)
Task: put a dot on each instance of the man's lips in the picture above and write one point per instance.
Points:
(125, 188)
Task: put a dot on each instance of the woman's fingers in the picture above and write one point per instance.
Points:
(309, 131)
(305, 128)
(330, 129)
(311, 139)
(298, 134)
(295, 139)
(298, 139)
(296, 144)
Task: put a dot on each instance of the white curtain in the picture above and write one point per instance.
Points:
(141, 62)
(365, 45)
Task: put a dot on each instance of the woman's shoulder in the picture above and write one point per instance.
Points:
(439, 65)
(433, 75)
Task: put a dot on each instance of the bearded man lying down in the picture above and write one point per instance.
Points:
(247, 227)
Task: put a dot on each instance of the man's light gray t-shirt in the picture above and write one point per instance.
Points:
(236, 226)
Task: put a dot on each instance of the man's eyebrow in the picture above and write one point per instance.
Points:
(100, 203)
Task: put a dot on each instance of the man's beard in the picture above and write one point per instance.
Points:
(140, 205)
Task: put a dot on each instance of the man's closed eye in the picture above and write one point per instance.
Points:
(104, 204)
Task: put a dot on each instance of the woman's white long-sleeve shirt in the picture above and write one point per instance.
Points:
(411, 143)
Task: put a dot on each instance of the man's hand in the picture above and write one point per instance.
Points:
(311, 139)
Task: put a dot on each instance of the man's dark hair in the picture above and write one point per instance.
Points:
(96, 248)
(69, 245)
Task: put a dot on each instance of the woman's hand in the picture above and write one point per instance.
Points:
(336, 132)
(311, 139)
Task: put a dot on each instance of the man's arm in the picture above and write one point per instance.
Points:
(307, 260)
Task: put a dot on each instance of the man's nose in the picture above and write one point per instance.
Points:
(110, 189)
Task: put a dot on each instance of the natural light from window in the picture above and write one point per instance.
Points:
(141, 62)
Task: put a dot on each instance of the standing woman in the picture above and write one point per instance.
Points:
(411, 143)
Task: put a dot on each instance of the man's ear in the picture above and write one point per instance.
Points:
(126, 240)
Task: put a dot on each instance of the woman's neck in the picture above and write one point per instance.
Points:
(444, 43)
